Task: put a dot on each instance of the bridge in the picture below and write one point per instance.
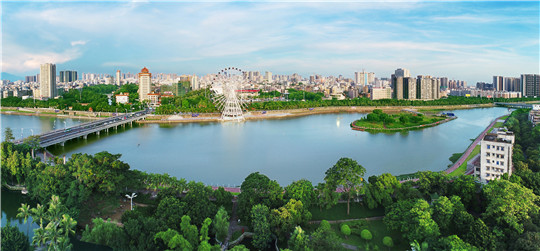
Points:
(82, 130)
(514, 105)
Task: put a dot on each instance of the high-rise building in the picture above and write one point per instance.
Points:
(530, 85)
(402, 72)
(381, 93)
(427, 88)
(68, 76)
(495, 156)
(364, 78)
(498, 83)
(268, 76)
(403, 88)
(444, 83)
(195, 83)
(144, 84)
(47, 81)
(118, 78)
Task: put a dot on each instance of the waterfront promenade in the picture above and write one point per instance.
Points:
(469, 150)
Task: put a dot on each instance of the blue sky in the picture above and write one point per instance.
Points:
(471, 41)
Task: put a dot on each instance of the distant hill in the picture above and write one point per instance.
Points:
(10, 77)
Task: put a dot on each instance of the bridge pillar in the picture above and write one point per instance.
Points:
(85, 136)
(97, 133)
(62, 144)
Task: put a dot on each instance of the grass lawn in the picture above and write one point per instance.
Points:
(378, 231)
(463, 167)
(339, 212)
(498, 124)
(504, 118)
(397, 124)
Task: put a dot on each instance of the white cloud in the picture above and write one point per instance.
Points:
(78, 42)
(18, 59)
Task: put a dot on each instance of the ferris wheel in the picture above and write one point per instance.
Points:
(226, 84)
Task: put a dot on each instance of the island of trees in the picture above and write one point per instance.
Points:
(378, 121)
(436, 212)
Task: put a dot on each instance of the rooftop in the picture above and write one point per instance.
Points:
(496, 137)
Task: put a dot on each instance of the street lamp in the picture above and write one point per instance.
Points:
(133, 195)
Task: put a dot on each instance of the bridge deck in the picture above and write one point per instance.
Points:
(63, 135)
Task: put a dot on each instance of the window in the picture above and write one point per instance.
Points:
(497, 162)
(502, 148)
(502, 163)
(487, 160)
(488, 146)
(487, 174)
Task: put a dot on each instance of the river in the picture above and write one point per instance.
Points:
(283, 149)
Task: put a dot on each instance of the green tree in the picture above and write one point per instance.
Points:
(258, 189)
(67, 224)
(413, 219)
(345, 230)
(432, 182)
(443, 210)
(379, 190)
(13, 239)
(261, 227)
(173, 240)
(189, 231)
(24, 213)
(284, 219)
(324, 238)
(8, 135)
(198, 204)
(529, 241)
(223, 198)
(299, 240)
(509, 205)
(105, 233)
(204, 230)
(38, 214)
(452, 242)
(170, 210)
(221, 224)
(327, 196)
(466, 187)
(301, 190)
(388, 242)
(348, 174)
(366, 235)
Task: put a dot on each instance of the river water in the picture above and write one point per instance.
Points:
(283, 149)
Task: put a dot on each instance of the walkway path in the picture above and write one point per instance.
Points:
(472, 146)
(347, 220)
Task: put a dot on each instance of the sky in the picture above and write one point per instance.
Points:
(470, 41)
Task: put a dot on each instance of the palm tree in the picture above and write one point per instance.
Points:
(39, 238)
(52, 235)
(24, 212)
(38, 213)
(67, 223)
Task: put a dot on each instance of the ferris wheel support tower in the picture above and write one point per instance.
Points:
(226, 84)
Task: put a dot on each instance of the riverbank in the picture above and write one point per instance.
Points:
(292, 113)
(404, 121)
(48, 112)
(215, 117)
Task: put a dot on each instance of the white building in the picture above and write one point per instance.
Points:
(268, 76)
(144, 84)
(364, 78)
(47, 81)
(495, 156)
(122, 98)
(381, 93)
(195, 83)
(118, 78)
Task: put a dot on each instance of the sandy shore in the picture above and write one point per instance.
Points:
(254, 115)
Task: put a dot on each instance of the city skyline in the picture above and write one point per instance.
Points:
(469, 41)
